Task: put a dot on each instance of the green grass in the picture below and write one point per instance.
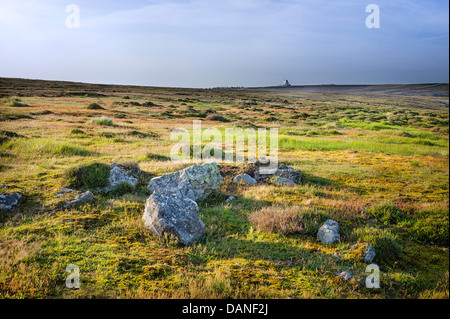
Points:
(90, 176)
(388, 246)
(317, 144)
(431, 226)
(44, 147)
(387, 213)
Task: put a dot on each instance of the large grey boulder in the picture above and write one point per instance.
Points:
(82, 198)
(169, 213)
(9, 200)
(329, 232)
(195, 182)
(119, 174)
(244, 179)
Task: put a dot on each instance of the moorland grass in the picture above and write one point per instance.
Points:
(361, 151)
(317, 144)
(44, 147)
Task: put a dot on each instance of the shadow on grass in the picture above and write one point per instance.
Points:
(317, 180)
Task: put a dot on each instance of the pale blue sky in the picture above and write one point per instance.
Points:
(208, 43)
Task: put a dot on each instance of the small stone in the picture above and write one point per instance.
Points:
(66, 190)
(329, 232)
(80, 199)
(230, 199)
(59, 194)
(345, 275)
(369, 254)
(244, 179)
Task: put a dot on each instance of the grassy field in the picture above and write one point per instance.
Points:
(383, 153)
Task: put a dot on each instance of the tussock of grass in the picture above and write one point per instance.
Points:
(387, 213)
(77, 131)
(94, 106)
(142, 134)
(15, 102)
(157, 157)
(217, 117)
(102, 121)
(89, 176)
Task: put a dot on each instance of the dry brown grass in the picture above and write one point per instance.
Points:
(277, 219)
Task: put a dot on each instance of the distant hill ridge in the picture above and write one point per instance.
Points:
(28, 87)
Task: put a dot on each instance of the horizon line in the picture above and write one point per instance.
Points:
(226, 87)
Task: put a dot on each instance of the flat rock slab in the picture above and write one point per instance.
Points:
(80, 199)
(283, 181)
(168, 213)
(282, 171)
(9, 200)
(195, 182)
(244, 179)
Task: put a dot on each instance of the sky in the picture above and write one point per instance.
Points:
(222, 43)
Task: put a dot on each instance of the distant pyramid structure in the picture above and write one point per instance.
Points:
(285, 83)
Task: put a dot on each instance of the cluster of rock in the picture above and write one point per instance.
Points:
(172, 207)
(118, 174)
(284, 175)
